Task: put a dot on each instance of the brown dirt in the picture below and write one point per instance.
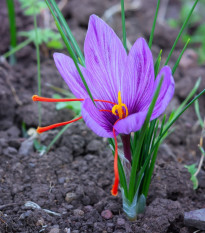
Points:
(74, 179)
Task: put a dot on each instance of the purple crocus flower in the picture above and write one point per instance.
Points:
(108, 70)
(122, 85)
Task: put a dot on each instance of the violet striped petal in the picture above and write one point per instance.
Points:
(105, 58)
(138, 79)
(68, 71)
(132, 123)
(166, 91)
(96, 120)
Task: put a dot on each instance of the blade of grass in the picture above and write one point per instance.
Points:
(191, 94)
(148, 176)
(157, 63)
(12, 26)
(17, 48)
(38, 67)
(68, 31)
(137, 152)
(181, 30)
(175, 118)
(180, 56)
(123, 24)
(60, 133)
(70, 49)
(154, 24)
(196, 106)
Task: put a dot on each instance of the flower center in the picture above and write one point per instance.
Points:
(119, 108)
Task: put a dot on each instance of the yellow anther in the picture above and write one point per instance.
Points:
(119, 108)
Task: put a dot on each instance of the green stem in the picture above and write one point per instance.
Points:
(38, 68)
(70, 49)
(137, 152)
(181, 30)
(12, 24)
(60, 133)
(180, 56)
(68, 31)
(123, 24)
(17, 48)
(175, 118)
(148, 176)
(154, 23)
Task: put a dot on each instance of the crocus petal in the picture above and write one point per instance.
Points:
(105, 58)
(138, 79)
(131, 123)
(166, 91)
(96, 120)
(68, 71)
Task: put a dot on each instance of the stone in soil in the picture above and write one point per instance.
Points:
(195, 218)
(106, 214)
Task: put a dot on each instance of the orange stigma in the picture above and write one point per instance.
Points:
(114, 190)
(119, 108)
(45, 99)
(46, 128)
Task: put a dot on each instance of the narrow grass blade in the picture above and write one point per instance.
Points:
(154, 24)
(123, 24)
(17, 48)
(196, 106)
(70, 49)
(68, 31)
(12, 25)
(157, 63)
(182, 29)
(175, 118)
(180, 56)
(137, 152)
(60, 133)
(148, 175)
(191, 94)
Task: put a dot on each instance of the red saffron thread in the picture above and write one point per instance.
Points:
(46, 128)
(114, 190)
(44, 99)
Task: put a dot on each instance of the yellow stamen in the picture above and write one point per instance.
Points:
(119, 108)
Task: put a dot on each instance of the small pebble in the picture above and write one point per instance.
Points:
(40, 222)
(78, 212)
(70, 197)
(26, 147)
(107, 214)
(54, 230)
(120, 222)
(26, 214)
(61, 180)
(195, 218)
(88, 208)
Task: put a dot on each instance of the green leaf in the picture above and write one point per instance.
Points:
(136, 155)
(74, 106)
(55, 44)
(192, 170)
(32, 7)
(173, 23)
(39, 147)
(181, 31)
(44, 35)
(154, 24)
(123, 24)
(196, 106)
